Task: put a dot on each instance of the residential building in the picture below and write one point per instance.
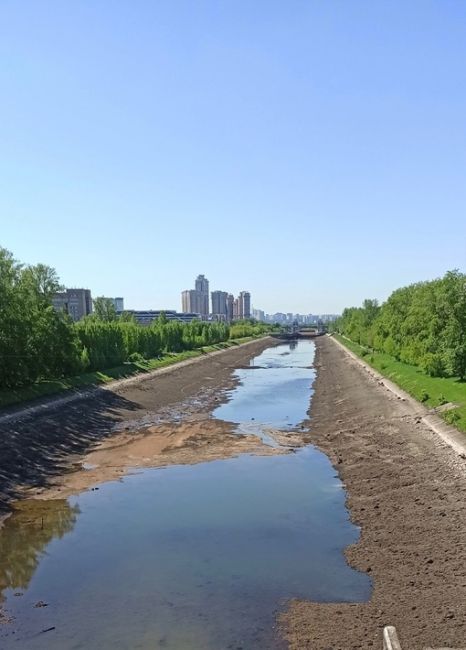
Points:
(258, 314)
(60, 301)
(119, 304)
(147, 316)
(244, 300)
(202, 286)
(75, 302)
(191, 301)
(219, 305)
(197, 300)
(236, 315)
(230, 303)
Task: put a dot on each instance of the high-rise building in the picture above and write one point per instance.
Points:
(119, 304)
(224, 305)
(258, 314)
(75, 302)
(219, 305)
(236, 315)
(197, 300)
(191, 302)
(230, 303)
(185, 301)
(242, 306)
(202, 286)
(244, 299)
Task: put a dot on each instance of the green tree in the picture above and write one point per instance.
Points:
(104, 309)
(13, 325)
(43, 280)
(127, 317)
(455, 327)
(423, 324)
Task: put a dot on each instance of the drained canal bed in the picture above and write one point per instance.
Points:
(187, 557)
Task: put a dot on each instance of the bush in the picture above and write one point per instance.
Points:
(432, 364)
(442, 400)
(136, 357)
(451, 417)
(85, 363)
(424, 396)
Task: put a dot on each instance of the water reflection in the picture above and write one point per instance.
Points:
(25, 536)
(189, 557)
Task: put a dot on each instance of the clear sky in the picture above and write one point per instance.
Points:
(312, 152)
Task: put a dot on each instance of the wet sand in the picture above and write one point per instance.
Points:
(153, 421)
(197, 439)
(407, 491)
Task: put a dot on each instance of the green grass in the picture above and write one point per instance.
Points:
(47, 388)
(432, 391)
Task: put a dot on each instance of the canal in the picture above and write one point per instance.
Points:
(189, 556)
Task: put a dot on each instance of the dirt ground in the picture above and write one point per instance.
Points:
(159, 421)
(407, 492)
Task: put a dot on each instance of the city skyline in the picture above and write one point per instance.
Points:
(224, 306)
(120, 302)
(78, 302)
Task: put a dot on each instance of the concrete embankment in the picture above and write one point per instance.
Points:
(407, 491)
(10, 414)
(454, 438)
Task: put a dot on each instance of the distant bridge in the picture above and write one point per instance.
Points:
(303, 333)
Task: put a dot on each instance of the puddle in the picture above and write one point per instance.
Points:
(187, 557)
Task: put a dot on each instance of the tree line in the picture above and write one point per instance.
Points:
(38, 342)
(423, 324)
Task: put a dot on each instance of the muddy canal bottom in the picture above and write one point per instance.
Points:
(187, 557)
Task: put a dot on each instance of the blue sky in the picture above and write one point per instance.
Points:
(311, 152)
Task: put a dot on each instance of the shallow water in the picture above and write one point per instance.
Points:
(187, 557)
(274, 393)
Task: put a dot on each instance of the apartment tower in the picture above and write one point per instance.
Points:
(244, 304)
(202, 287)
(230, 303)
(196, 300)
(220, 305)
